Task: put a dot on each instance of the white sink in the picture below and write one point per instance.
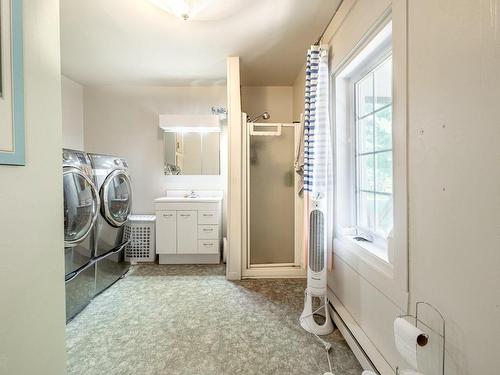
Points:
(199, 196)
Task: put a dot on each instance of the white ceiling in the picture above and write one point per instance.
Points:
(133, 41)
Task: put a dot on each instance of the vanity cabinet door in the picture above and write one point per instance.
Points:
(166, 232)
(187, 230)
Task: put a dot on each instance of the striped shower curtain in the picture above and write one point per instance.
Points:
(318, 168)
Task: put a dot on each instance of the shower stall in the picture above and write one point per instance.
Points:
(272, 208)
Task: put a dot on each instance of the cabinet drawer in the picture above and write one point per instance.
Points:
(208, 217)
(208, 232)
(208, 246)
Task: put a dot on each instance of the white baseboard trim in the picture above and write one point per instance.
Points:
(366, 353)
(274, 273)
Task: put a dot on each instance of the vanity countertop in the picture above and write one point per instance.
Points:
(188, 200)
(188, 196)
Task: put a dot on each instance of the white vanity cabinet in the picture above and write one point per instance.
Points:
(188, 230)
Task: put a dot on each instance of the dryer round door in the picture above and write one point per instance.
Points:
(116, 198)
(81, 205)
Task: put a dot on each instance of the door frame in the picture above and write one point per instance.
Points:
(277, 270)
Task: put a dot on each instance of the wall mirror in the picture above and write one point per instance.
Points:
(192, 153)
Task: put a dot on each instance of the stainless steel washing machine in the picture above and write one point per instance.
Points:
(113, 183)
(81, 209)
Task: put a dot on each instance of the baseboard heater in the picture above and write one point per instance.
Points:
(364, 350)
(356, 348)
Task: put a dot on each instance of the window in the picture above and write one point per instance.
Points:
(373, 152)
(364, 147)
(369, 126)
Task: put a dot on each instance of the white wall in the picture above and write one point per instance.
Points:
(277, 100)
(32, 316)
(123, 120)
(454, 184)
(298, 89)
(72, 114)
(454, 165)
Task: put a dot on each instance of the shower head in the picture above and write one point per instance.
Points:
(264, 116)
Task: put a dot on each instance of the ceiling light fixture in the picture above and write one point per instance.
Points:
(184, 9)
(190, 123)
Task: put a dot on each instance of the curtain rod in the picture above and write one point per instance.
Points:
(328, 24)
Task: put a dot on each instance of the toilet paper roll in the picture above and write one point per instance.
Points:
(407, 337)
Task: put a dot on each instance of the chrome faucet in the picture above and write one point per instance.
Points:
(192, 194)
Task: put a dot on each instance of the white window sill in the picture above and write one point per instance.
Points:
(371, 247)
(368, 253)
(374, 269)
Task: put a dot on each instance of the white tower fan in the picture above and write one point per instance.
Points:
(317, 269)
(317, 174)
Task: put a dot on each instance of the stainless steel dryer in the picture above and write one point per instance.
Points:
(81, 208)
(115, 191)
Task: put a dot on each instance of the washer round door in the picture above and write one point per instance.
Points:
(81, 205)
(116, 198)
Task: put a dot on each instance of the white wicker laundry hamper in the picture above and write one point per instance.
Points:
(140, 229)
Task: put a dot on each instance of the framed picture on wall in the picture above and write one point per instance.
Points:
(11, 83)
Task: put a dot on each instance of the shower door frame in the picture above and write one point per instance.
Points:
(272, 270)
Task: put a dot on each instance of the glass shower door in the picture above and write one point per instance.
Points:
(271, 197)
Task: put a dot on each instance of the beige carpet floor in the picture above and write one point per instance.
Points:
(190, 320)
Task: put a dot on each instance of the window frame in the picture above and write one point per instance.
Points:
(375, 62)
(378, 247)
(386, 270)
